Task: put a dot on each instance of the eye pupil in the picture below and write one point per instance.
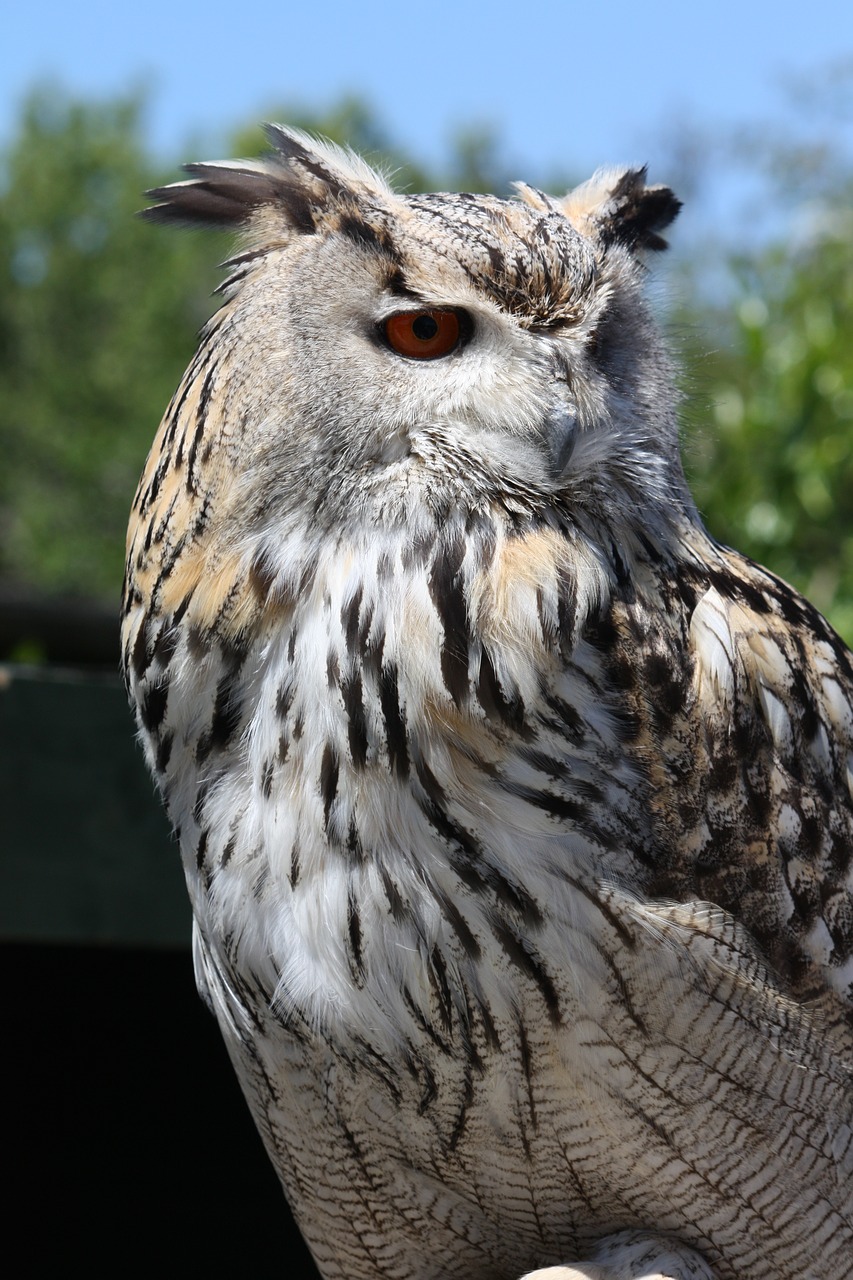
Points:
(425, 327)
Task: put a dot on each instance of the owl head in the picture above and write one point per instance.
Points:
(380, 353)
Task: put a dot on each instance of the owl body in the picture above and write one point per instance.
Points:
(515, 812)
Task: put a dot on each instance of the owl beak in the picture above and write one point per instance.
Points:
(560, 431)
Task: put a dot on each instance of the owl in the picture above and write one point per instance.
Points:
(515, 811)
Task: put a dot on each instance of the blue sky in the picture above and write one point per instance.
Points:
(569, 84)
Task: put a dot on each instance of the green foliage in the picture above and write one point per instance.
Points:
(772, 464)
(98, 316)
(97, 320)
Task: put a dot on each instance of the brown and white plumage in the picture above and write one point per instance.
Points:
(515, 812)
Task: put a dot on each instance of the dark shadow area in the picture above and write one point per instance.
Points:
(131, 1144)
(69, 631)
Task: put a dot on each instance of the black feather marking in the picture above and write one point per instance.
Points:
(352, 692)
(284, 699)
(470, 864)
(230, 846)
(164, 752)
(201, 850)
(481, 529)
(290, 148)
(261, 576)
(451, 913)
(566, 612)
(164, 523)
(751, 595)
(441, 988)
(260, 883)
(392, 893)
(626, 1001)
(497, 260)
(493, 700)
(462, 1118)
(430, 1089)
(395, 721)
(329, 772)
(367, 236)
(140, 659)
(395, 283)
(355, 849)
(266, 779)
(640, 212)
(434, 806)
(423, 1022)
(152, 705)
(201, 422)
(558, 806)
(227, 711)
(200, 801)
(356, 953)
(367, 1056)
(370, 647)
(448, 595)
(526, 1067)
(349, 619)
(165, 644)
(524, 957)
(486, 880)
(352, 1145)
(616, 923)
(567, 720)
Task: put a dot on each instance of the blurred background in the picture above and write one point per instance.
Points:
(130, 1116)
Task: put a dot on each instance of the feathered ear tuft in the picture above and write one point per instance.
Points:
(618, 207)
(224, 194)
(301, 177)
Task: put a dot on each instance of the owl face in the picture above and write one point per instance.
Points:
(410, 362)
(380, 354)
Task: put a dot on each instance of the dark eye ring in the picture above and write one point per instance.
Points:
(425, 335)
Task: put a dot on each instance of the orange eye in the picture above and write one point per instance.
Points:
(423, 335)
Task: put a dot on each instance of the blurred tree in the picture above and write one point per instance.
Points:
(97, 320)
(774, 473)
(770, 450)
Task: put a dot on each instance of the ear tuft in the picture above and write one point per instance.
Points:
(220, 194)
(618, 207)
(301, 177)
(537, 199)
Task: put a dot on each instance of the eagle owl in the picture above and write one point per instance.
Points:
(515, 811)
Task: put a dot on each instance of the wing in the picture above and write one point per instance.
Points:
(756, 788)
